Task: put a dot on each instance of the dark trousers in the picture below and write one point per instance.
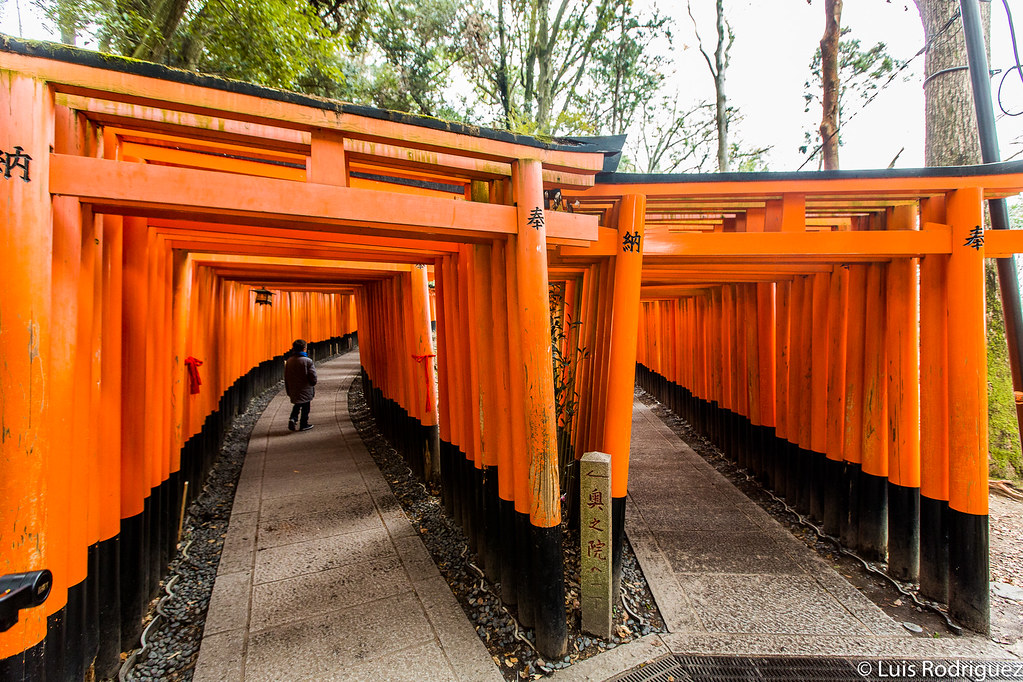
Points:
(304, 408)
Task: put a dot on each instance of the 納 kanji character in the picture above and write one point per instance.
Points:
(630, 241)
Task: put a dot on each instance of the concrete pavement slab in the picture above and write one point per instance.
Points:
(322, 554)
(222, 657)
(751, 589)
(322, 647)
(312, 594)
(229, 603)
(340, 587)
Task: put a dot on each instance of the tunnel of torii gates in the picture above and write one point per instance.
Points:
(826, 330)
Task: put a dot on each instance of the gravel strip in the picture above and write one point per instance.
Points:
(478, 598)
(1006, 527)
(172, 643)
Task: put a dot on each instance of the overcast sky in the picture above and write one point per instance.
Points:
(775, 41)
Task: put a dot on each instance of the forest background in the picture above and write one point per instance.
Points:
(698, 86)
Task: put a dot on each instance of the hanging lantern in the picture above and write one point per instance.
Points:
(263, 296)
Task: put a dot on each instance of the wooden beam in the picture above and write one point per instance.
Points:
(112, 185)
(89, 81)
(1002, 243)
(761, 187)
(879, 245)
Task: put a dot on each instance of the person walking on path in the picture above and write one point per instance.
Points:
(299, 382)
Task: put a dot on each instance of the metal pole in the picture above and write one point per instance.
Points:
(1008, 280)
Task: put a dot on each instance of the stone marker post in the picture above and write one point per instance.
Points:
(595, 534)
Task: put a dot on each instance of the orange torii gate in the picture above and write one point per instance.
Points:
(154, 201)
(780, 315)
(144, 204)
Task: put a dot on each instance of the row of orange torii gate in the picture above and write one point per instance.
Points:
(826, 330)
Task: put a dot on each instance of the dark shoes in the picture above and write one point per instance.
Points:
(292, 425)
(306, 427)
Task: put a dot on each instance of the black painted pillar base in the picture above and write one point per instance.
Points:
(447, 479)
(92, 607)
(617, 544)
(549, 574)
(433, 462)
(108, 659)
(793, 474)
(969, 596)
(132, 579)
(55, 645)
(807, 471)
(468, 497)
(28, 666)
(873, 517)
(780, 477)
(903, 532)
(934, 549)
(832, 496)
(75, 631)
(524, 570)
(478, 517)
(492, 526)
(850, 491)
(817, 490)
(509, 577)
(454, 480)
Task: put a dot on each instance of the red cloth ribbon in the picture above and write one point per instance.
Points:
(426, 375)
(193, 364)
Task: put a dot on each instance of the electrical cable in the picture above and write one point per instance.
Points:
(483, 586)
(1017, 68)
(635, 616)
(927, 45)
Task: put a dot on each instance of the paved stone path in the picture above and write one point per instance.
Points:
(730, 580)
(322, 576)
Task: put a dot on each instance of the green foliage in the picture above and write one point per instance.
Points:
(530, 61)
(625, 75)
(1005, 457)
(567, 356)
(291, 44)
(671, 140)
(861, 72)
(419, 46)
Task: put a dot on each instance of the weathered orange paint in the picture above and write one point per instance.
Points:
(875, 401)
(967, 367)
(838, 324)
(934, 427)
(624, 320)
(903, 427)
(535, 337)
(26, 121)
(852, 441)
(819, 361)
(782, 347)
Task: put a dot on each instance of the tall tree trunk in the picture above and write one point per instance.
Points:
(952, 140)
(721, 100)
(829, 79)
(951, 123)
(502, 75)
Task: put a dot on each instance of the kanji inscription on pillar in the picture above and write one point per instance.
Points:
(595, 535)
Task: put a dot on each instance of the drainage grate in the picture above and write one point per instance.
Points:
(795, 669)
(667, 669)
